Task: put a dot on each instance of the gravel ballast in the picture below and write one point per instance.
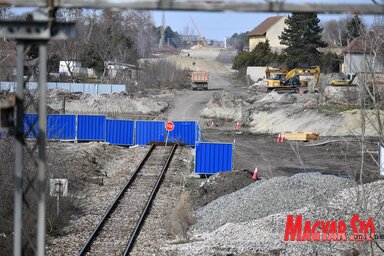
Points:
(253, 220)
(264, 198)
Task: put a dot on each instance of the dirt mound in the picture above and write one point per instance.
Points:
(218, 185)
(276, 113)
(341, 95)
(224, 105)
(198, 64)
(110, 104)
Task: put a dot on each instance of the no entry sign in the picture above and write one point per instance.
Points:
(169, 126)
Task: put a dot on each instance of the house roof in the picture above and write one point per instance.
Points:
(361, 44)
(355, 46)
(263, 27)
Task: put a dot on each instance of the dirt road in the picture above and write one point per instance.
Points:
(189, 104)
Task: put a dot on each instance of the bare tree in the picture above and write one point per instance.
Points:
(6, 13)
(370, 83)
(69, 50)
(187, 31)
(141, 24)
(333, 30)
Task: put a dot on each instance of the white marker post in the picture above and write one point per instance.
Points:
(58, 187)
(169, 126)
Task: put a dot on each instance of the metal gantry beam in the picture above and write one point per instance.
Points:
(214, 6)
(42, 159)
(25, 33)
(18, 213)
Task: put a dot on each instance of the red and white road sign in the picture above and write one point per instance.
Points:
(169, 126)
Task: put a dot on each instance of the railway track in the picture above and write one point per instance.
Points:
(117, 231)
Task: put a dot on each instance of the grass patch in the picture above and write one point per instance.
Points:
(180, 218)
(336, 108)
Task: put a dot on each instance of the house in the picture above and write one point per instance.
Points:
(122, 70)
(66, 67)
(364, 54)
(270, 29)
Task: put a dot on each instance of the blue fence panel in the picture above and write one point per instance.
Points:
(185, 132)
(31, 126)
(91, 127)
(8, 86)
(149, 131)
(61, 127)
(120, 132)
(118, 88)
(32, 85)
(212, 158)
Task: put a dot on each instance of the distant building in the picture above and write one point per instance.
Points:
(121, 70)
(270, 29)
(359, 56)
(68, 66)
(189, 39)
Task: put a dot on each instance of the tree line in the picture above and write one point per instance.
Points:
(103, 36)
(303, 37)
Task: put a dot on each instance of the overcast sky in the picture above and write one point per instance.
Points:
(216, 25)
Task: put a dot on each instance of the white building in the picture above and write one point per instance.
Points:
(124, 70)
(66, 66)
(270, 29)
(359, 56)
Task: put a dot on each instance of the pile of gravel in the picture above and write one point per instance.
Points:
(264, 198)
(252, 220)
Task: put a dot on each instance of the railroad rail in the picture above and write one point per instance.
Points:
(120, 225)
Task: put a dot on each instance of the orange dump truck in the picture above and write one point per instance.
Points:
(199, 80)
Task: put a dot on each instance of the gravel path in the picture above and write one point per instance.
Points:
(157, 227)
(96, 199)
(114, 235)
(94, 202)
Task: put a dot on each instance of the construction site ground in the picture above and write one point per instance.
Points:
(228, 213)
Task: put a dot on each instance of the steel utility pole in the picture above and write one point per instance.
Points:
(162, 29)
(25, 33)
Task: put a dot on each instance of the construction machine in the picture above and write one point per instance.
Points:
(198, 31)
(345, 80)
(277, 73)
(291, 80)
(199, 80)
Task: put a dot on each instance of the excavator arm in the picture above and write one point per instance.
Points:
(315, 72)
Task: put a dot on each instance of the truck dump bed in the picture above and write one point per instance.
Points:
(199, 80)
(199, 76)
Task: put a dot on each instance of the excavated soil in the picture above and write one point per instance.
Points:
(204, 191)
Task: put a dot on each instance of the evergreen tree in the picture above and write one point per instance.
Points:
(354, 28)
(302, 36)
(239, 41)
(260, 56)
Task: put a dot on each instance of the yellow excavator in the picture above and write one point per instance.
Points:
(291, 80)
(277, 73)
(345, 80)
